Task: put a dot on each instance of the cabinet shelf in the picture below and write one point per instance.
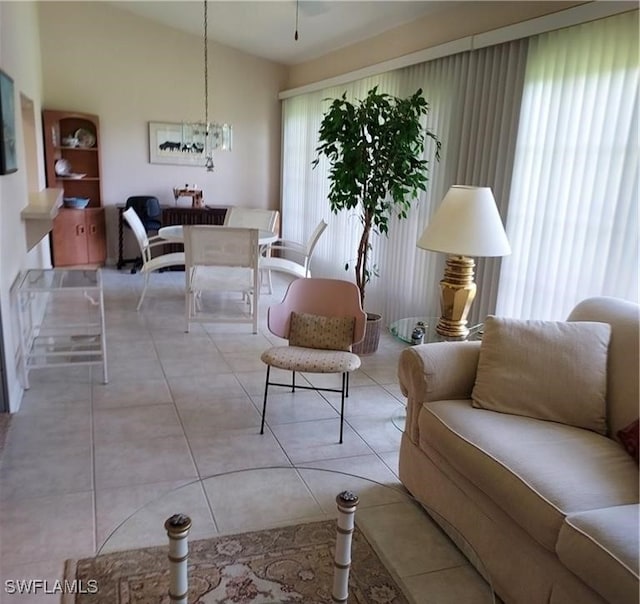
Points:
(62, 147)
(78, 236)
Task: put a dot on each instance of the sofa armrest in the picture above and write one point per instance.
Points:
(434, 372)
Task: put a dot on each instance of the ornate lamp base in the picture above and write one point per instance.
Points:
(457, 291)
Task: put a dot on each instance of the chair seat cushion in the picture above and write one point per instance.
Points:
(164, 261)
(312, 360)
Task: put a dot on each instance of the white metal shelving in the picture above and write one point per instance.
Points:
(61, 319)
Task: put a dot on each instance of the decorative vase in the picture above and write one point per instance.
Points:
(371, 336)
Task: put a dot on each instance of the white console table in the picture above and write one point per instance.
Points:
(61, 319)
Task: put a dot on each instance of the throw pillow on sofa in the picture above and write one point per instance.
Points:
(550, 370)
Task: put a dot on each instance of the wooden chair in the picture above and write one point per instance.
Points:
(322, 319)
(219, 259)
(300, 264)
(150, 263)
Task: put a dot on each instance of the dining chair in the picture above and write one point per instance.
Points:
(321, 319)
(149, 211)
(252, 218)
(220, 259)
(300, 264)
(150, 263)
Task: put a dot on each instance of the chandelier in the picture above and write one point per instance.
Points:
(207, 136)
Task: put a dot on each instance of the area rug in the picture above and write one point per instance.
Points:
(288, 564)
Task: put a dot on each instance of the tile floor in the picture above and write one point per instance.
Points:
(89, 467)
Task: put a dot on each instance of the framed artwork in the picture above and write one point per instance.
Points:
(180, 144)
(8, 159)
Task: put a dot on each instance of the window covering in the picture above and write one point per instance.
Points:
(488, 80)
(573, 211)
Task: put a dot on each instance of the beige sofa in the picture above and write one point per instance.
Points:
(550, 509)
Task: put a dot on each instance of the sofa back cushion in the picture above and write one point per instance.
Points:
(550, 370)
(623, 381)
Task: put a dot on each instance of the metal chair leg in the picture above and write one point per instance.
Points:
(264, 404)
(345, 379)
(293, 381)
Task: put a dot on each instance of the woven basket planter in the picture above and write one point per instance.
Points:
(371, 335)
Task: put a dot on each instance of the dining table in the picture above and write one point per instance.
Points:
(175, 234)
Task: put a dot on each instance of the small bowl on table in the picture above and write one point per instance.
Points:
(77, 203)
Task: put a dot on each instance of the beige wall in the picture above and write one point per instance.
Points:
(458, 20)
(20, 59)
(130, 71)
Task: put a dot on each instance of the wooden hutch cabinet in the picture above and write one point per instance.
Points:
(72, 158)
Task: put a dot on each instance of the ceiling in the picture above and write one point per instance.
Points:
(266, 27)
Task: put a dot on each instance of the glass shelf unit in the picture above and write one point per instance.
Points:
(61, 319)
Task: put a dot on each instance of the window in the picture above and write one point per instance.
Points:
(573, 209)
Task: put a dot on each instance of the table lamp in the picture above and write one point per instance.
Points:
(466, 223)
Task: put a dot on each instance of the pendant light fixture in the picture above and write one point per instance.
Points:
(208, 146)
(208, 136)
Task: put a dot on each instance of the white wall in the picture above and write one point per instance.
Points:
(20, 59)
(129, 71)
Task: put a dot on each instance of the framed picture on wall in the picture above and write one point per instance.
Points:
(8, 159)
(180, 144)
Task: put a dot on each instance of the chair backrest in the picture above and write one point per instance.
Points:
(324, 297)
(252, 218)
(148, 210)
(134, 222)
(313, 240)
(208, 245)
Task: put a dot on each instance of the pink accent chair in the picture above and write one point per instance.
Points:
(323, 298)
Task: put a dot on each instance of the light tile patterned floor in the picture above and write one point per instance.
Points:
(90, 467)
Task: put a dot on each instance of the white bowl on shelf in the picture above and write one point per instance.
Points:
(77, 203)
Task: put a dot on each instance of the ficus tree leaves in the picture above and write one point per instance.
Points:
(375, 148)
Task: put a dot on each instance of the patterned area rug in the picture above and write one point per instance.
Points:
(289, 564)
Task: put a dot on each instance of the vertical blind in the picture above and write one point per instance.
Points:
(490, 123)
(474, 100)
(550, 123)
(573, 211)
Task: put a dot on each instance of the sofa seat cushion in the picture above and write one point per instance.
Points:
(601, 547)
(536, 471)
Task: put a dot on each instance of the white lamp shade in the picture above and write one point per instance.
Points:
(467, 223)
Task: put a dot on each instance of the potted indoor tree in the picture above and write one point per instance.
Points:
(375, 149)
